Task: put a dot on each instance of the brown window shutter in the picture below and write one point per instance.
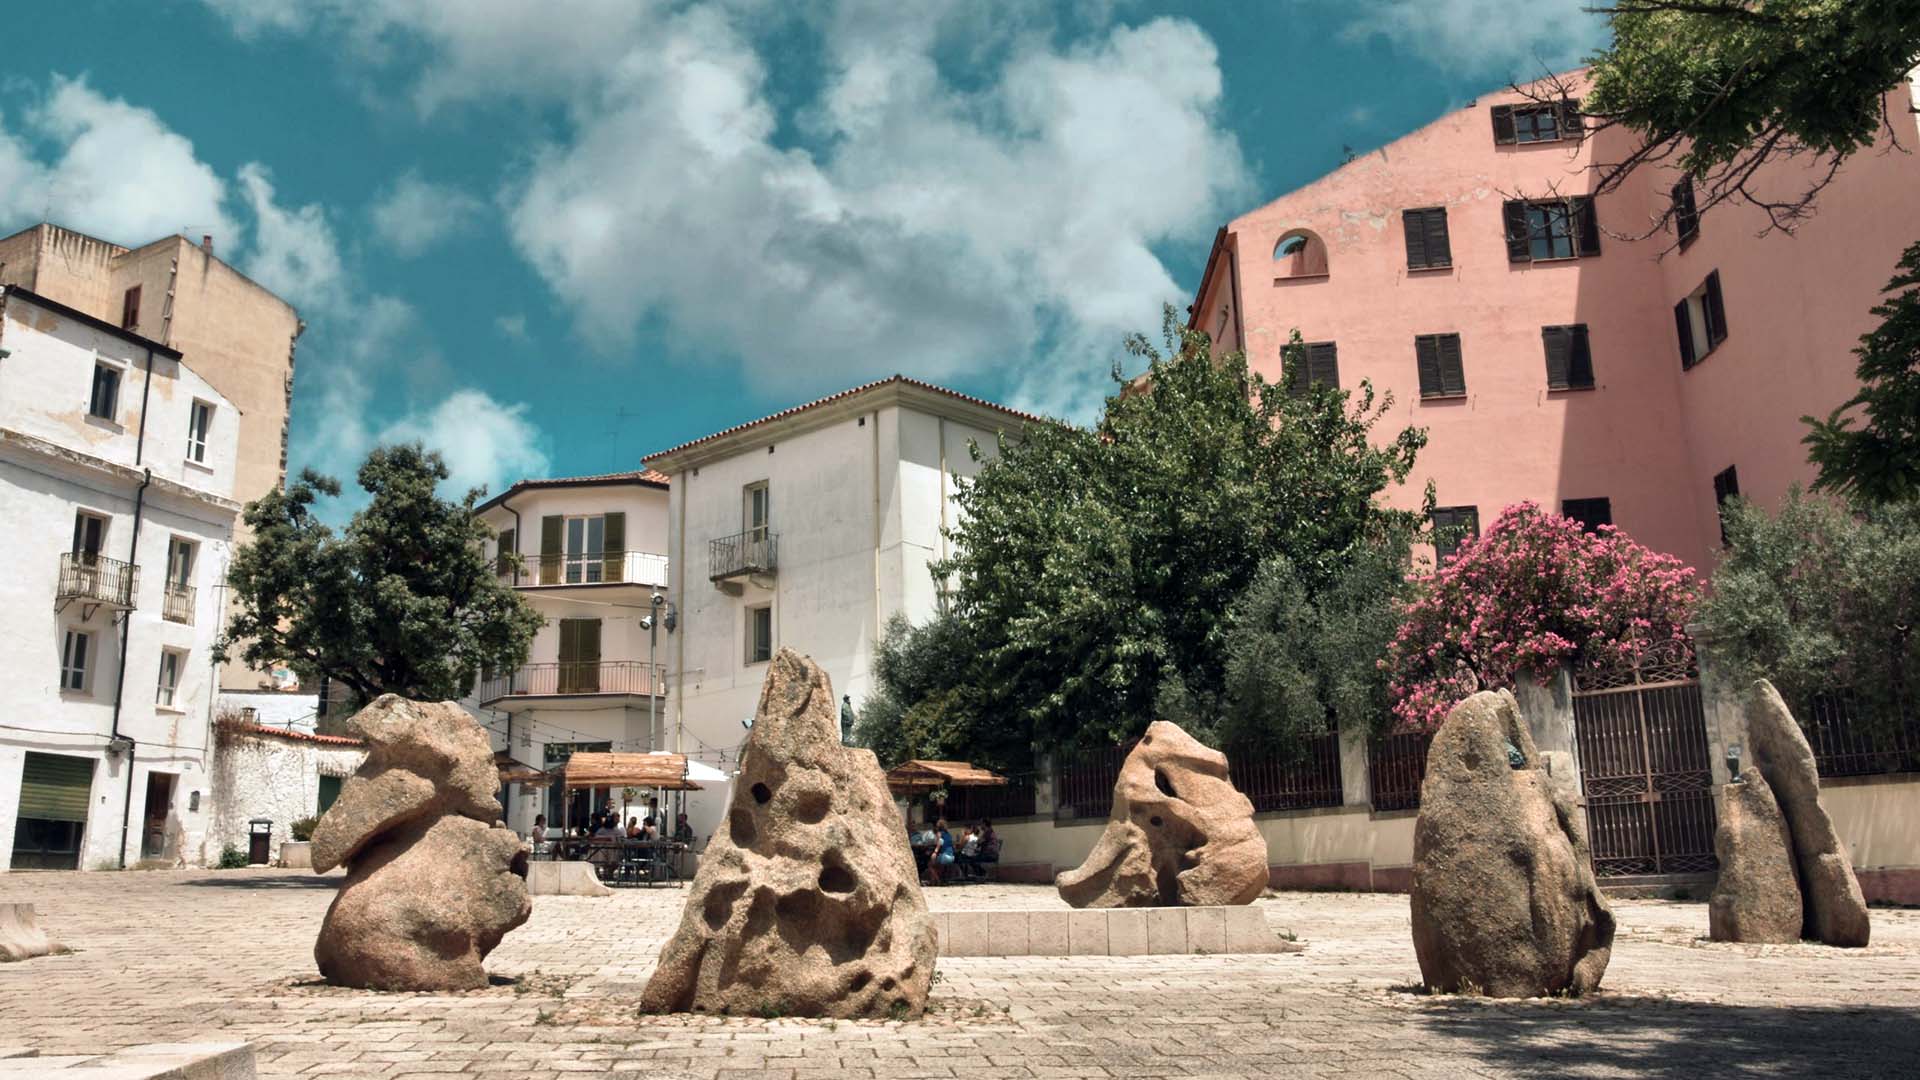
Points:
(1426, 356)
(1414, 222)
(550, 527)
(1556, 338)
(1439, 245)
(1579, 359)
(130, 309)
(1503, 125)
(1684, 324)
(615, 539)
(1323, 364)
(508, 546)
(1686, 217)
(1453, 376)
(1716, 311)
(1571, 124)
(1514, 213)
(1588, 226)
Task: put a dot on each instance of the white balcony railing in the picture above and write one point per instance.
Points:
(604, 568)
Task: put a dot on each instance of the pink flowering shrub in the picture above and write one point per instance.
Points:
(1535, 590)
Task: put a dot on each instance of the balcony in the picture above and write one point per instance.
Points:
(177, 604)
(742, 554)
(604, 568)
(548, 684)
(96, 579)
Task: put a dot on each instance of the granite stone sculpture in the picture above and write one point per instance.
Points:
(1835, 910)
(21, 937)
(1504, 899)
(807, 902)
(432, 883)
(1180, 833)
(1757, 898)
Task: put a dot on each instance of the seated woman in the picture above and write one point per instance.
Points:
(940, 861)
(981, 849)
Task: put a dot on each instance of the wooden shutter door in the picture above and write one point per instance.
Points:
(1453, 376)
(1716, 311)
(1426, 356)
(1519, 247)
(1439, 244)
(1414, 222)
(550, 559)
(507, 547)
(1683, 322)
(615, 546)
(1323, 364)
(1579, 358)
(1503, 125)
(588, 679)
(1556, 342)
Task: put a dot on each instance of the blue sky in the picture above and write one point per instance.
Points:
(550, 238)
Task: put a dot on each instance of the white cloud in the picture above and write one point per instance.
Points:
(415, 213)
(512, 327)
(932, 221)
(1509, 39)
(486, 443)
(118, 171)
(295, 253)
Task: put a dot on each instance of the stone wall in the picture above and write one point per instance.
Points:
(261, 773)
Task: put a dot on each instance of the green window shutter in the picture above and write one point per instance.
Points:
(1716, 311)
(1414, 222)
(1453, 375)
(509, 543)
(550, 528)
(1579, 358)
(1586, 226)
(1439, 243)
(329, 791)
(1519, 247)
(616, 546)
(1558, 346)
(1503, 133)
(55, 787)
(1683, 323)
(1426, 359)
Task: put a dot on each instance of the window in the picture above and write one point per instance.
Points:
(1438, 358)
(755, 509)
(1726, 485)
(1590, 513)
(1701, 320)
(1316, 364)
(180, 555)
(130, 309)
(199, 419)
(1300, 254)
(89, 531)
(1551, 229)
(106, 392)
(1536, 123)
(586, 550)
(760, 634)
(1569, 357)
(171, 661)
(1428, 247)
(1453, 526)
(75, 654)
(1686, 218)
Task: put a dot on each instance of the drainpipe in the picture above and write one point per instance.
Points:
(126, 621)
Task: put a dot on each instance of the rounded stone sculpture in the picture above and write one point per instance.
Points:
(807, 903)
(1180, 833)
(1835, 908)
(1757, 898)
(1504, 900)
(432, 884)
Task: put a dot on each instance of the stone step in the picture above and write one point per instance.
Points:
(1186, 931)
(153, 1061)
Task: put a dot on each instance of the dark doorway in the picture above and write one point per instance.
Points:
(52, 819)
(153, 833)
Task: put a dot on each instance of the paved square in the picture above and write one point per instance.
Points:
(194, 955)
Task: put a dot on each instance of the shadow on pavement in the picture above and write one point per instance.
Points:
(265, 881)
(1656, 1037)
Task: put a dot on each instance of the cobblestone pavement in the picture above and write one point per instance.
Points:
(191, 955)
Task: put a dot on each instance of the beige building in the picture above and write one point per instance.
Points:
(233, 332)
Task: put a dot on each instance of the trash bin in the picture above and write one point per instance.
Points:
(259, 841)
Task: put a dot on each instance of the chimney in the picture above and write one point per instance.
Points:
(206, 243)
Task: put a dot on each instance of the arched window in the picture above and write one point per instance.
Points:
(1300, 253)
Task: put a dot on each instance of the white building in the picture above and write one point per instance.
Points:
(589, 553)
(117, 469)
(809, 528)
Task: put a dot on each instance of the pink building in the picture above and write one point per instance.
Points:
(1460, 269)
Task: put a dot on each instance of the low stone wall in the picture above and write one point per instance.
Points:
(1187, 931)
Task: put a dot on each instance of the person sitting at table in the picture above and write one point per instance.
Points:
(647, 830)
(941, 857)
(633, 828)
(683, 830)
(981, 850)
(608, 830)
(539, 833)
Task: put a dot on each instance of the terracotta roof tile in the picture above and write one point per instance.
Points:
(298, 736)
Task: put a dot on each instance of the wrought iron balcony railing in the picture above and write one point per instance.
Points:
(96, 579)
(575, 677)
(752, 552)
(603, 568)
(177, 604)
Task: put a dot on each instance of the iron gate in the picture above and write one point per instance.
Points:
(1645, 767)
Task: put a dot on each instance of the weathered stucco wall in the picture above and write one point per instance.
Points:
(270, 776)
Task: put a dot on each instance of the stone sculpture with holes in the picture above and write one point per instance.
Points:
(807, 902)
(1180, 833)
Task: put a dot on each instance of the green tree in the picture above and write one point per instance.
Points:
(1820, 599)
(1720, 88)
(924, 703)
(1095, 569)
(404, 602)
(1879, 462)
